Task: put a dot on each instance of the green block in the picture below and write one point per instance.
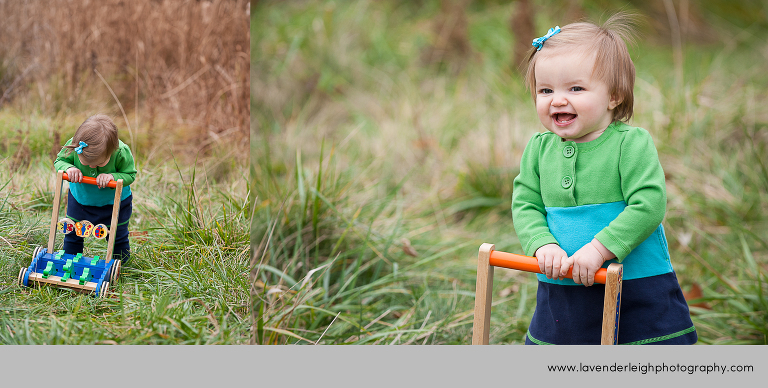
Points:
(65, 277)
(59, 254)
(68, 266)
(86, 276)
(95, 260)
(78, 257)
(48, 270)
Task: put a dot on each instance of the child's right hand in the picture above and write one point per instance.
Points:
(74, 174)
(550, 258)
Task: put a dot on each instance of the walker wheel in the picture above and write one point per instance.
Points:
(21, 276)
(103, 290)
(115, 272)
(36, 252)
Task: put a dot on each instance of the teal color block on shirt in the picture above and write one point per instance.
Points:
(94, 196)
(576, 226)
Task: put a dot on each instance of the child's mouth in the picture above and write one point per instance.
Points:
(564, 118)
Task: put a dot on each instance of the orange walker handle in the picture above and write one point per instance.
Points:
(531, 264)
(90, 181)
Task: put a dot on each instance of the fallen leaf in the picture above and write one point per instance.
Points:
(136, 235)
(407, 248)
(509, 290)
(695, 293)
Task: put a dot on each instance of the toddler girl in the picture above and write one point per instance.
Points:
(96, 151)
(591, 191)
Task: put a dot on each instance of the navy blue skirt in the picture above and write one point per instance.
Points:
(653, 311)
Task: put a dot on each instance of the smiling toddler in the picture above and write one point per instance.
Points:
(591, 192)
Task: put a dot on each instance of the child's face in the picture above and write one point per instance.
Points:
(569, 101)
(93, 164)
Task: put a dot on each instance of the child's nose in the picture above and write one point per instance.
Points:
(558, 100)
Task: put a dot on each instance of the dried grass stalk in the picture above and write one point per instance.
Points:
(184, 62)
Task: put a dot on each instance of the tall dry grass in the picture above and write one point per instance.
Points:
(177, 64)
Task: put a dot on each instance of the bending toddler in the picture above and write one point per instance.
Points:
(96, 151)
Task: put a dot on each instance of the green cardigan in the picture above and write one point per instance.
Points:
(564, 177)
(120, 165)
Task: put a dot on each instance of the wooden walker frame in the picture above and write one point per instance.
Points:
(488, 258)
(84, 274)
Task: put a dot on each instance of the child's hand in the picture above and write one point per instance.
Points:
(74, 174)
(586, 261)
(550, 258)
(103, 179)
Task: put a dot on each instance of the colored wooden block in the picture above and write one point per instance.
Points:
(48, 270)
(83, 228)
(65, 225)
(86, 276)
(100, 231)
(95, 260)
(67, 270)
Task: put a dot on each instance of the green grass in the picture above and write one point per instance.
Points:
(376, 178)
(187, 280)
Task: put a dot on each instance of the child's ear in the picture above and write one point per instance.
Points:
(615, 101)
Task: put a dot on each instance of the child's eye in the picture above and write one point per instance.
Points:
(545, 91)
(577, 89)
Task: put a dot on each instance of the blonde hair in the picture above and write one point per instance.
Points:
(613, 64)
(100, 133)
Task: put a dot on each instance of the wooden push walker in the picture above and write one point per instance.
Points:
(77, 272)
(488, 258)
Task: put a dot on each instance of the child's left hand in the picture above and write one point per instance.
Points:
(103, 179)
(586, 261)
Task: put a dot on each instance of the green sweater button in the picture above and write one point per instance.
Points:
(567, 182)
(568, 151)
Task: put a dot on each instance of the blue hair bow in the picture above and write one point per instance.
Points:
(79, 150)
(539, 42)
